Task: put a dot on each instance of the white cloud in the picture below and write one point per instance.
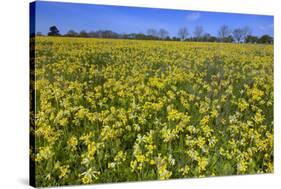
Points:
(193, 16)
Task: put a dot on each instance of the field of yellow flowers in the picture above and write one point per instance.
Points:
(110, 110)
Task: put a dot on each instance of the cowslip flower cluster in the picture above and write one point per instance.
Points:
(112, 110)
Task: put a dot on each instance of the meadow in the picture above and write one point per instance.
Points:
(113, 110)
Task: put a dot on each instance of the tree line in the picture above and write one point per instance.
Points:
(224, 34)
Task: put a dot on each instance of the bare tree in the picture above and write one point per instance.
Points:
(163, 33)
(238, 34)
(151, 32)
(198, 32)
(224, 32)
(246, 31)
(183, 33)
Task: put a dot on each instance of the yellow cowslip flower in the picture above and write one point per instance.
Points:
(185, 170)
(202, 163)
(152, 162)
(111, 165)
(161, 164)
(140, 158)
(242, 105)
(86, 138)
(255, 93)
(45, 153)
(242, 166)
(72, 143)
(205, 120)
(92, 148)
(62, 118)
(86, 180)
(120, 157)
(156, 82)
(258, 118)
(89, 176)
(168, 134)
(64, 171)
(201, 142)
(214, 113)
(133, 165)
(82, 113)
(174, 115)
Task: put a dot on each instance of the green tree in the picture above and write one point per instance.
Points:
(83, 33)
(266, 39)
(54, 31)
(251, 39)
(71, 33)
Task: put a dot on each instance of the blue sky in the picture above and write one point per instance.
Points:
(121, 19)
